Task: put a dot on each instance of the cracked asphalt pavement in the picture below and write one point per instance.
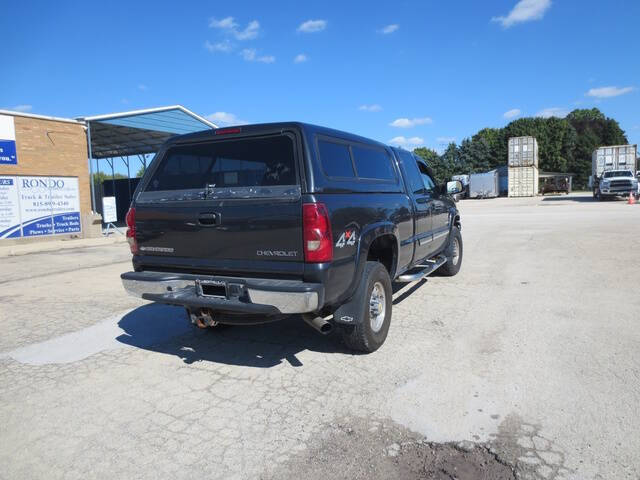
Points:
(524, 365)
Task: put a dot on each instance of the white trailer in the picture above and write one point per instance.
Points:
(484, 185)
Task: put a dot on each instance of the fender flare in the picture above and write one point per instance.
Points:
(454, 219)
(367, 236)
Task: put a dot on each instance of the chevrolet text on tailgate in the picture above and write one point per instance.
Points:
(249, 224)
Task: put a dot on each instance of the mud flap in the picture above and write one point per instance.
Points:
(350, 313)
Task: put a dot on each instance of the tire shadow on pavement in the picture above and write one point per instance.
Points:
(261, 346)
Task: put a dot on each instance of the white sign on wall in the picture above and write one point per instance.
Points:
(109, 211)
(34, 206)
(9, 208)
(8, 155)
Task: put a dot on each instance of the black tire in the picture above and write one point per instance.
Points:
(452, 267)
(361, 335)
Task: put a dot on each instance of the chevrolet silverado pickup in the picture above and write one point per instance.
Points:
(249, 224)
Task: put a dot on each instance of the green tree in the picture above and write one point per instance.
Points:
(564, 145)
(100, 177)
(444, 165)
(593, 130)
(474, 155)
(495, 139)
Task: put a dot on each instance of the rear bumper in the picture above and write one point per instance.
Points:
(242, 295)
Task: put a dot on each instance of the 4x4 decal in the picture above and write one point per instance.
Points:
(348, 237)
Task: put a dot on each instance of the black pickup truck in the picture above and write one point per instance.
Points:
(248, 224)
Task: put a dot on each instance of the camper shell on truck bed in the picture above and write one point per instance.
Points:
(246, 224)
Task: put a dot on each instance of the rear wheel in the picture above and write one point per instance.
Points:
(369, 310)
(453, 253)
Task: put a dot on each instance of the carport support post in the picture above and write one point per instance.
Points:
(143, 160)
(91, 182)
(126, 161)
(113, 175)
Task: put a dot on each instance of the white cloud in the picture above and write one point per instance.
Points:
(514, 112)
(251, 55)
(22, 108)
(224, 24)
(229, 26)
(410, 122)
(224, 46)
(410, 142)
(300, 58)
(524, 11)
(225, 118)
(445, 140)
(250, 32)
(374, 107)
(553, 112)
(606, 92)
(142, 87)
(312, 26)
(386, 30)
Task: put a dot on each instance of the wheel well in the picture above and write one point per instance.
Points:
(456, 221)
(383, 250)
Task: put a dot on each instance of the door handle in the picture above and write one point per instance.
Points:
(209, 219)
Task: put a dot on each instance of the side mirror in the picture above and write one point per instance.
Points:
(454, 187)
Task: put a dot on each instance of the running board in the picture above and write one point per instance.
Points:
(422, 270)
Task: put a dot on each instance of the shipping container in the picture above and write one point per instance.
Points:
(523, 152)
(523, 181)
(614, 157)
(484, 185)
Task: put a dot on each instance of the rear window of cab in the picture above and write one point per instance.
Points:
(346, 160)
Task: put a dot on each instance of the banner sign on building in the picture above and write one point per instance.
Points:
(34, 206)
(8, 155)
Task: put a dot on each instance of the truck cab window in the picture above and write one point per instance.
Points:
(429, 184)
(414, 180)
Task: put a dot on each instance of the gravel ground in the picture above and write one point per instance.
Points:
(524, 364)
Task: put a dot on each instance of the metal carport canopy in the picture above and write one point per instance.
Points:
(139, 131)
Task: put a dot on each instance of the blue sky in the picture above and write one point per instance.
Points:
(423, 71)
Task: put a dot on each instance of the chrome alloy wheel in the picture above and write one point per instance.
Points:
(455, 256)
(377, 307)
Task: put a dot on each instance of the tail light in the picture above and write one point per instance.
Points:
(131, 230)
(318, 241)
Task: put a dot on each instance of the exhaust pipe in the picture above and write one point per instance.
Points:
(320, 324)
